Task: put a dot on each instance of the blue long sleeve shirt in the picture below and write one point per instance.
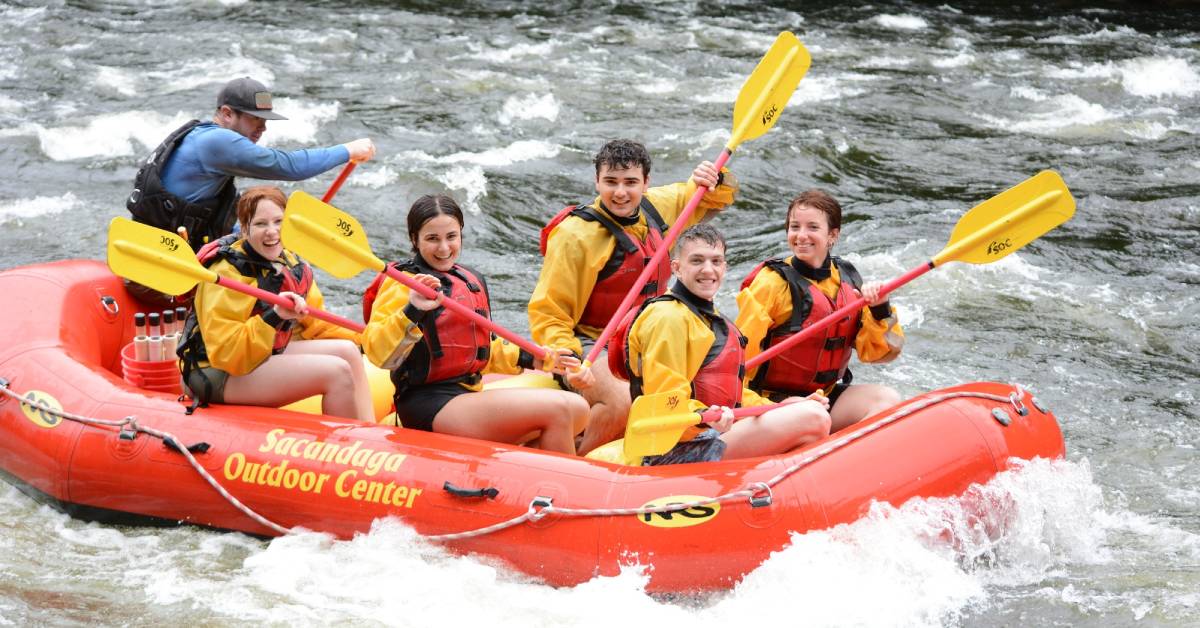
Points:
(210, 153)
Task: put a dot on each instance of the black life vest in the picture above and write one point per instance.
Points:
(452, 348)
(719, 380)
(297, 278)
(151, 203)
(629, 257)
(822, 360)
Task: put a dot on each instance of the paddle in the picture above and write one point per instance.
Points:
(164, 261)
(655, 422)
(991, 230)
(758, 105)
(335, 241)
(337, 183)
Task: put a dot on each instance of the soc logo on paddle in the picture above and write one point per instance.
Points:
(995, 248)
(169, 243)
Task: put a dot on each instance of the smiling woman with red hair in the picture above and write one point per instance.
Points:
(237, 349)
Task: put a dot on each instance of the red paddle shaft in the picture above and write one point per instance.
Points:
(842, 312)
(462, 310)
(275, 299)
(337, 183)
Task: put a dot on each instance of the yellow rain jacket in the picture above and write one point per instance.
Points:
(667, 345)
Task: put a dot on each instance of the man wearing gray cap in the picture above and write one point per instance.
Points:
(188, 180)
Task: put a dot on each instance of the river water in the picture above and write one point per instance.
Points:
(911, 114)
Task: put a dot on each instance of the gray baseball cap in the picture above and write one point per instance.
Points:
(248, 96)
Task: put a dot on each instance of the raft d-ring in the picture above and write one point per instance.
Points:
(762, 495)
(1015, 398)
(110, 305)
(539, 506)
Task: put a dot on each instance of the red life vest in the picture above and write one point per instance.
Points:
(629, 257)
(453, 348)
(819, 361)
(719, 380)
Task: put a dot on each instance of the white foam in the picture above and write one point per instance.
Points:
(39, 206)
(1159, 76)
(529, 107)
(541, 50)
(21, 17)
(1105, 33)
(470, 179)
(1076, 70)
(658, 85)
(105, 136)
(1060, 115)
(119, 80)
(374, 177)
(467, 170)
(304, 120)
(957, 61)
(8, 105)
(1029, 93)
(901, 22)
(521, 150)
(886, 62)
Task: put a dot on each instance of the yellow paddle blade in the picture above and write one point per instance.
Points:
(327, 237)
(766, 92)
(1009, 220)
(153, 257)
(656, 422)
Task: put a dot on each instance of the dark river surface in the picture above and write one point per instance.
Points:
(911, 114)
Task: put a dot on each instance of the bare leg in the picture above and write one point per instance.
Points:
(510, 414)
(860, 401)
(348, 352)
(776, 431)
(609, 401)
(301, 371)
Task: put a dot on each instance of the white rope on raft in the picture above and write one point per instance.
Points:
(540, 507)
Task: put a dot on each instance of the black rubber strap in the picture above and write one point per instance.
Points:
(488, 492)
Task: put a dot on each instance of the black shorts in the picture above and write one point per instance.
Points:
(707, 446)
(833, 395)
(418, 406)
(198, 378)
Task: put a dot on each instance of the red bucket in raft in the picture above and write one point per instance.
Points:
(160, 375)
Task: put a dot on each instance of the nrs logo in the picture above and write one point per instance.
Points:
(40, 417)
(690, 516)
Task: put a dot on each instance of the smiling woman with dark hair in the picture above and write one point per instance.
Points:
(437, 358)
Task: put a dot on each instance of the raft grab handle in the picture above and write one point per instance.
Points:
(489, 492)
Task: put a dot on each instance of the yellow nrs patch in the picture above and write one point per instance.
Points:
(40, 417)
(691, 516)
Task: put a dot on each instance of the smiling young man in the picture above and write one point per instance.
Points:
(593, 254)
(679, 342)
(188, 180)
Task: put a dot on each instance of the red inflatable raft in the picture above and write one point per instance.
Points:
(107, 457)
